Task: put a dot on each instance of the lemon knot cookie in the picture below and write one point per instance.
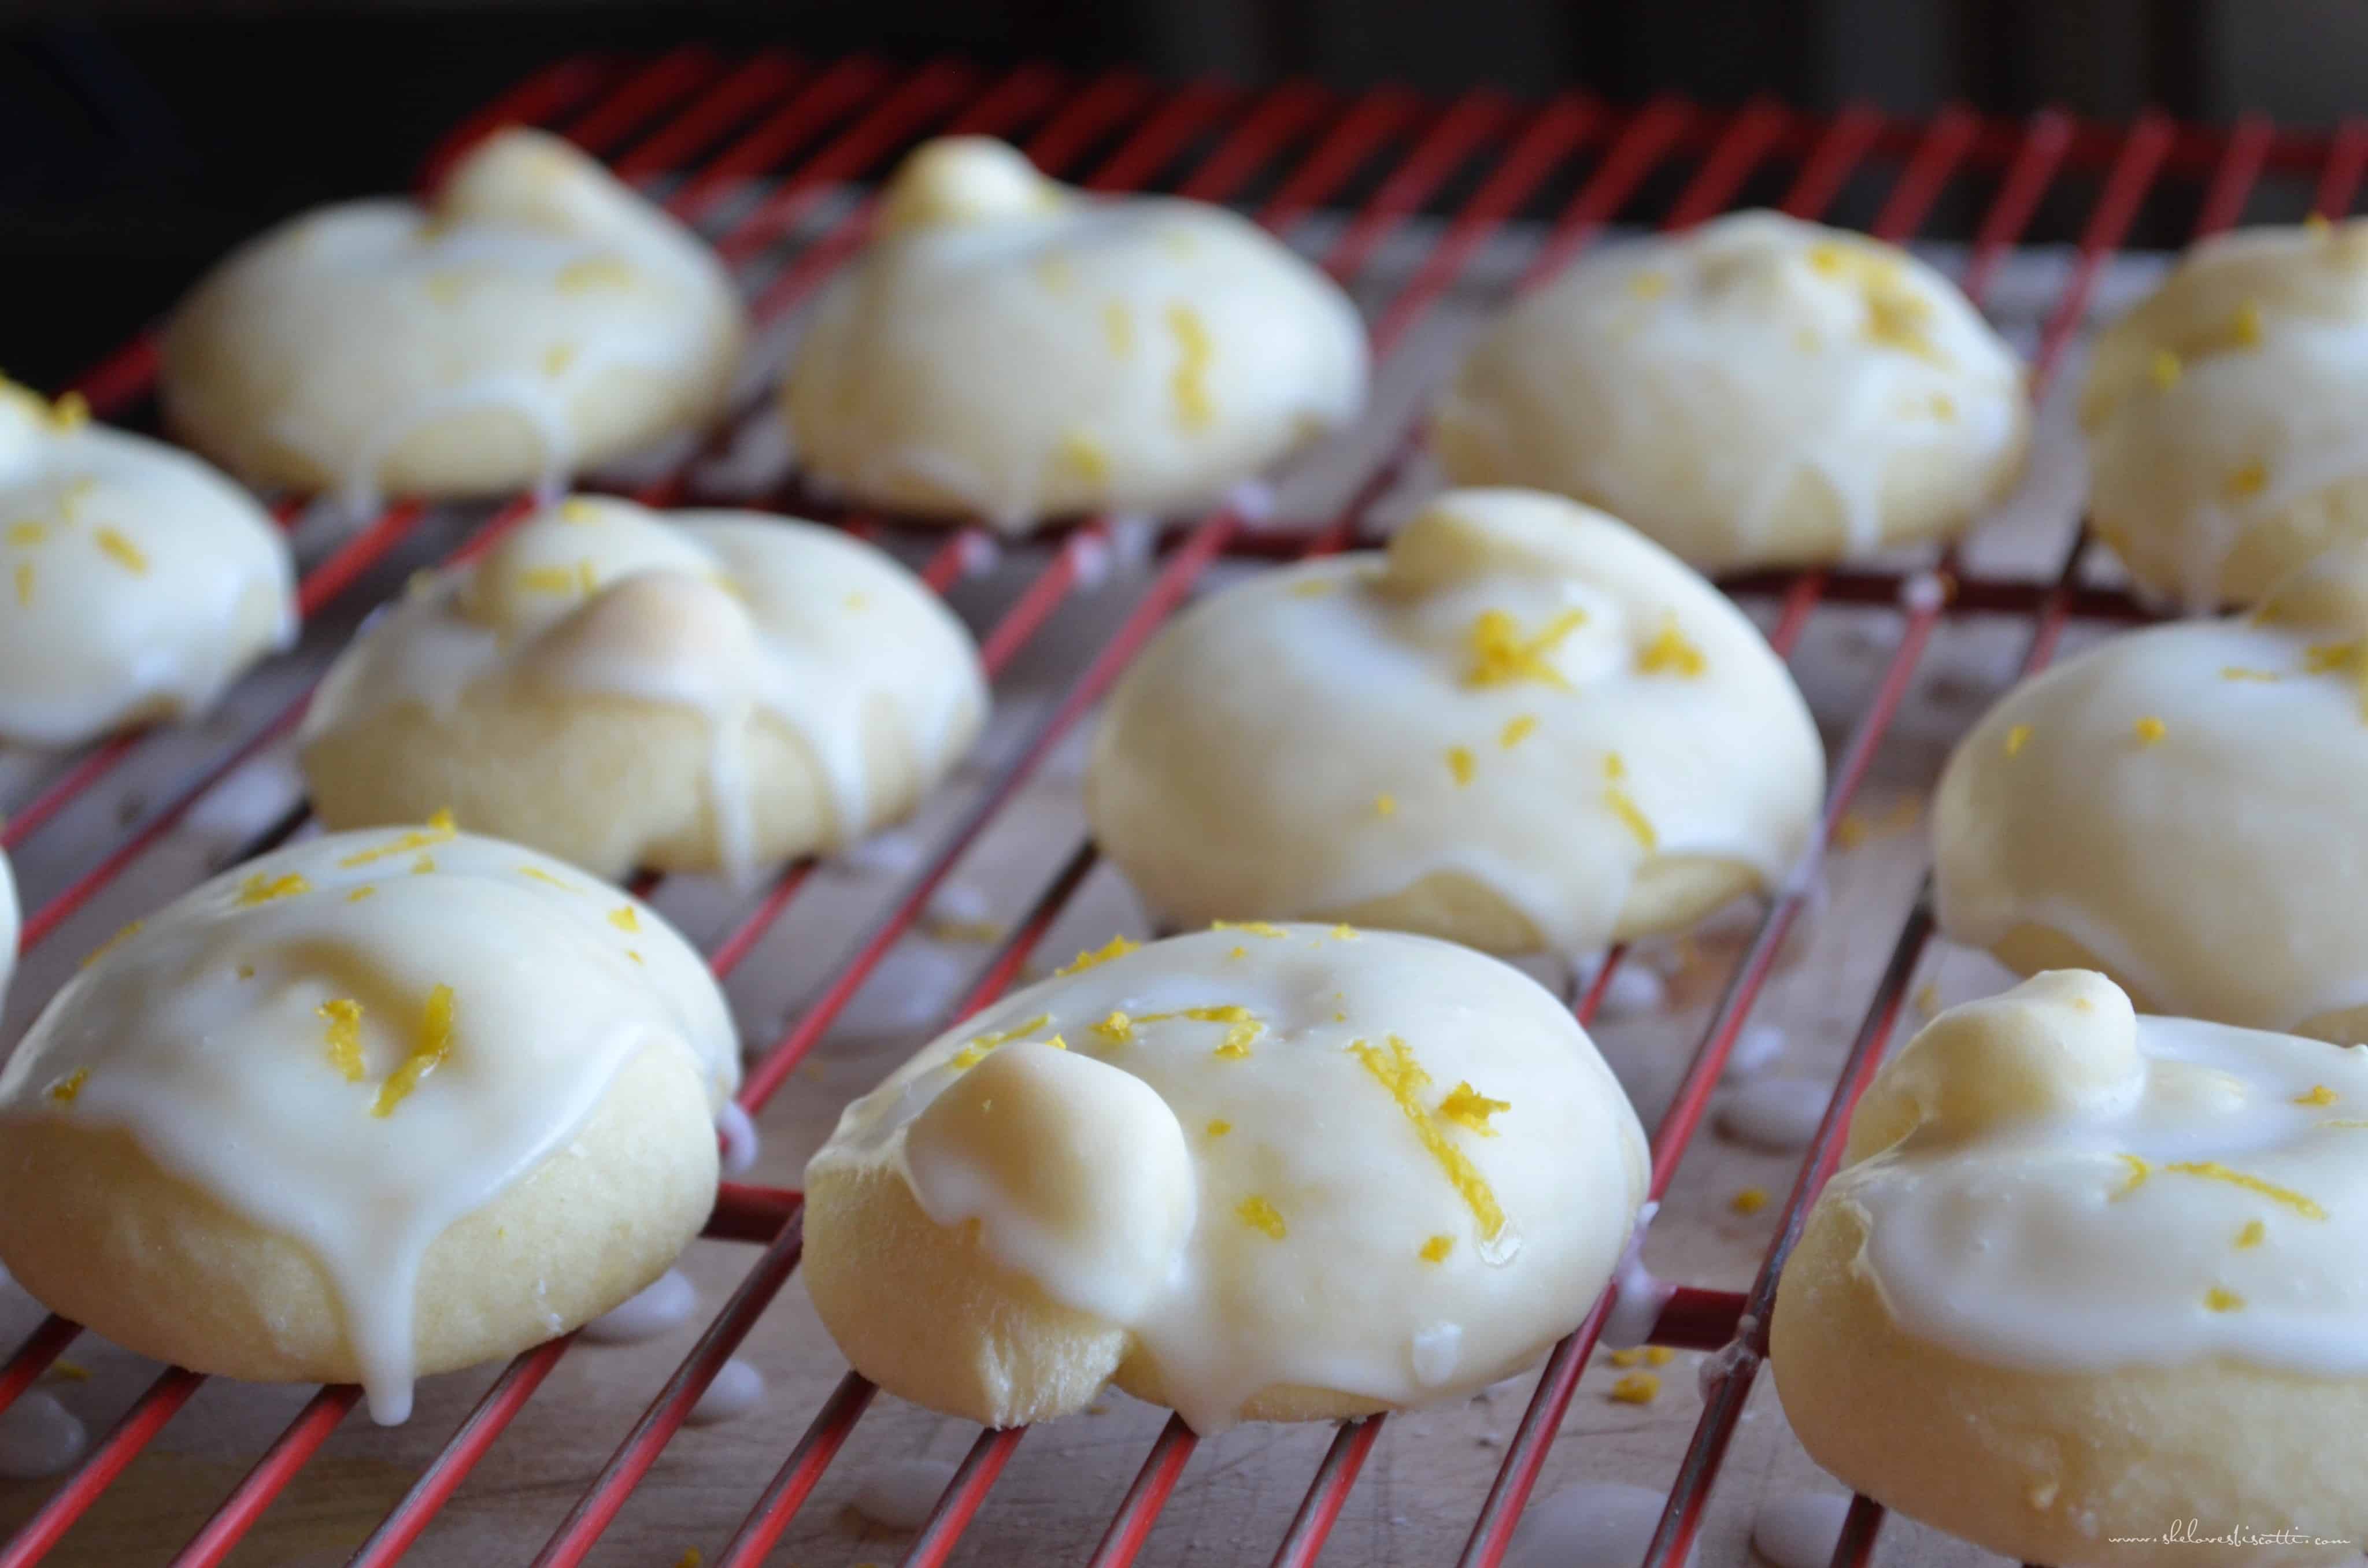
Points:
(1013, 349)
(1525, 727)
(2221, 449)
(378, 1106)
(1758, 391)
(2085, 1274)
(2180, 807)
(1262, 1173)
(135, 582)
(687, 692)
(534, 318)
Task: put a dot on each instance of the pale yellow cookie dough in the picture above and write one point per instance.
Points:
(378, 1106)
(536, 318)
(135, 582)
(2182, 808)
(2088, 1275)
(1758, 391)
(688, 691)
(1014, 350)
(2224, 448)
(1525, 727)
(1268, 1173)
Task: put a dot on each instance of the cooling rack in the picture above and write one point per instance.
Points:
(772, 157)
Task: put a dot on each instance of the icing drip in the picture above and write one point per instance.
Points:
(900, 1494)
(1776, 1114)
(489, 1007)
(1800, 1531)
(1590, 1525)
(38, 1437)
(737, 1388)
(664, 1306)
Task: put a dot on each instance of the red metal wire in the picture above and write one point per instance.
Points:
(297, 1443)
(32, 1358)
(147, 1417)
(658, 86)
(2338, 181)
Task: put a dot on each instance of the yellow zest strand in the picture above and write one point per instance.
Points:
(113, 942)
(2246, 479)
(1636, 1388)
(594, 272)
(2138, 1172)
(1118, 1029)
(1460, 765)
(66, 1090)
(1116, 947)
(2252, 1236)
(1313, 588)
(70, 412)
(538, 874)
(1750, 1200)
(435, 1043)
(1254, 927)
(2017, 738)
(1260, 1215)
(1517, 730)
(1084, 456)
(1117, 327)
(25, 535)
(625, 917)
(2213, 1170)
(548, 580)
(1467, 1107)
(1194, 409)
(24, 584)
(1344, 932)
(2166, 369)
(345, 1017)
(973, 1054)
(1502, 656)
(2319, 1094)
(1669, 651)
(2245, 326)
(2220, 1300)
(360, 893)
(260, 889)
(1220, 1126)
(122, 552)
(1625, 807)
(440, 830)
(2150, 730)
(1436, 1249)
(1385, 805)
(1399, 1073)
(2238, 671)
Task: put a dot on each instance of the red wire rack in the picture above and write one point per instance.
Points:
(704, 129)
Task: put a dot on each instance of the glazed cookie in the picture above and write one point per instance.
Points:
(691, 691)
(1267, 1173)
(2181, 807)
(2222, 451)
(536, 318)
(1524, 728)
(135, 582)
(1758, 392)
(378, 1106)
(2086, 1274)
(1012, 349)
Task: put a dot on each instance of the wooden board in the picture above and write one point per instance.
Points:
(1429, 1471)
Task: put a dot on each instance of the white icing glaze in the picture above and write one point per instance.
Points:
(1170, 348)
(730, 614)
(1777, 1114)
(738, 1131)
(1754, 1048)
(1698, 384)
(2062, 1185)
(1635, 989)
(736, 1389)
(252, 798)
(2182, 803)
(1275, 1193)
(1639, 1294)
(38, 1437)
(201, 1033)
(900, 1494)
(533, 286)
(1594, 1525)
(1520, 692)
(2217, 407)
(1800, 1529)
(135, 582)
(664, 1305)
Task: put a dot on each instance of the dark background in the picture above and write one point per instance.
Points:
(143, 139)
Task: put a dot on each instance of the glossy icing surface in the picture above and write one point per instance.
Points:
(2183, 802)
(135, 582)
(2051, 1182)
(1520, 691)
(1754, 389)
(1016, 349)
(357, 1040)
(1278, 1156)
(532, 288)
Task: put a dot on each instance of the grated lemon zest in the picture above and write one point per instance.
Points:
(1501, 654)
(2213, 1170)
(1436, 1249)
(1467, 1107)
(1116, 947)
(1399, 1073)
(66, 1090)
(1260, 1215)
(434, 1044)
(344, 1039)
(260, 889)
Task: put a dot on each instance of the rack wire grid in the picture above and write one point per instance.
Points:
(1411, 203)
